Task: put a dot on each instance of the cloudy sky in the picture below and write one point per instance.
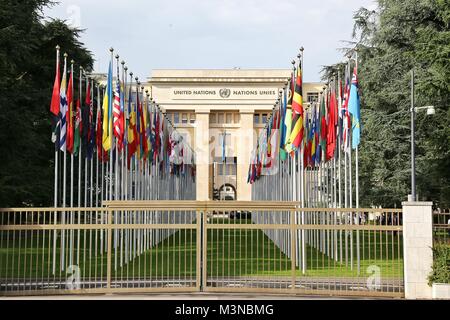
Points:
(212, 34)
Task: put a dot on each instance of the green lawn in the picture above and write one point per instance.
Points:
(230, 253)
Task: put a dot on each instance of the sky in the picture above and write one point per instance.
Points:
(212, 34)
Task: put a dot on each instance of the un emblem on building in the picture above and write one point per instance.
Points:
(225, 93)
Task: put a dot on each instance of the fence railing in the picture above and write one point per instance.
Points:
(441, 227)
(187, 246)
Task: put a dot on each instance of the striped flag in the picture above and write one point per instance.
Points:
(117, 114)
(346, 116)
(354, 109)
(288, 121)
(63, 110)
(107, 113)
(296, 137)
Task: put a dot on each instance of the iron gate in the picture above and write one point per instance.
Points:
(191, 246)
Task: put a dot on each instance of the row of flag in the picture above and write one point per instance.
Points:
(126, 121)
(315, 130)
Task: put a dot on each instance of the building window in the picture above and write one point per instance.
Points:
(264, 118)
(176, 118)
(312, 97)
(220, 119)
(184, 118)
(229, 118)
(192, 118)
(212, 118)
(237, 118)
(256, 119)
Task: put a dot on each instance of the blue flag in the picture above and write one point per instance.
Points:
(354, 109)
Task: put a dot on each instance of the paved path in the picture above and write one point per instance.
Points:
(182, 297)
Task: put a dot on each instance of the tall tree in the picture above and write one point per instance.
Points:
(27, 69)
(403, 35)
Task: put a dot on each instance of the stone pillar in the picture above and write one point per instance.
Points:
(417, 252)
(202, 154)
(244, 152)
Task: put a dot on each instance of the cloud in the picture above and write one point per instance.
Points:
(159, 34)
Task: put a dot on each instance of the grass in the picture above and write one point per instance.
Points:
(230, 253)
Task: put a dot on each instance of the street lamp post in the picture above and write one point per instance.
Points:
(430, 112)
(413, 141)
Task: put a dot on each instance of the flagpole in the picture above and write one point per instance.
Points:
(104, 193)
(55, 215)
(91, 119)
(80, 173)
(123, 170)
(357, 188)
(64, 179)
(110, 125)
(111, 133)
(302, 180)
(70, 233)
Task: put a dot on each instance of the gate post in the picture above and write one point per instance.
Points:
(417, 248)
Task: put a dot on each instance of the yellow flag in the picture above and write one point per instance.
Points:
(107, 113)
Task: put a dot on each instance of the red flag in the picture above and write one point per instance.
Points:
(54, 106)
(331, 134)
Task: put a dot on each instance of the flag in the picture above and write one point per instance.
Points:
(331, 126)
(283, 128)
(274, 142)
(323, 128)
(87, 126)
(345, 115)
(77, 140)
(107, 113)
(117, 114)
(314, 136)
(143, 132)
(54, 106)
(63, 111)
(98, 134)
(132, 131)
(153, 136)
(296, 137)
(70, 115)
(288, 119)
(354, 108)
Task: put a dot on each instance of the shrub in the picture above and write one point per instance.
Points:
(441, 265)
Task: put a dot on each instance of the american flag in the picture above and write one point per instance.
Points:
(118, 125)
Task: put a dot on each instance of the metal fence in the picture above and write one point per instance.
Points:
(441, 227)
(190, 246)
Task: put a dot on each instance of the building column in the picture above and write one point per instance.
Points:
(244, 152)
(202, 150)
(417, 252)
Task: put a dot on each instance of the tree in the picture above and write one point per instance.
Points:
(27, 68)
(403, 35)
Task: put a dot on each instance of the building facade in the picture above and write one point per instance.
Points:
(220, 113)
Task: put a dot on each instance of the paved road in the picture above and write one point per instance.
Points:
(183, 297)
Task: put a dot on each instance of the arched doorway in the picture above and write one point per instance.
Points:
(227, 192)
